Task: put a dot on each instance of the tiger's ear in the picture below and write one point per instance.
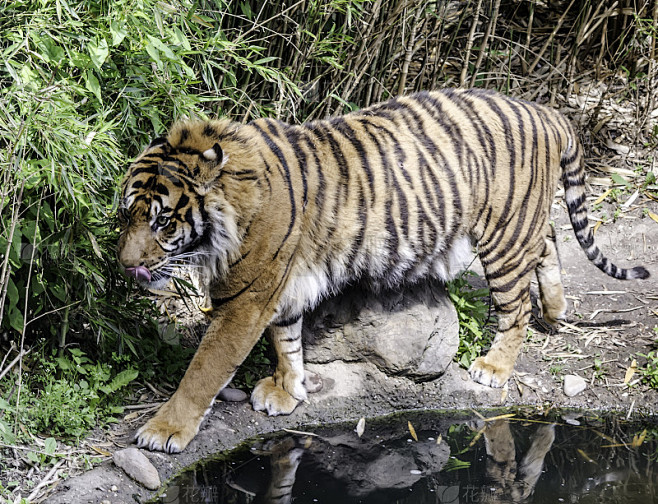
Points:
(157, 142)
(215, 154)
(210, 170)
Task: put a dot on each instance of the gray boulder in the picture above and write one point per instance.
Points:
(411, 332)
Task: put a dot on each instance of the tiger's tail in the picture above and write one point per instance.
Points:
(573, 179)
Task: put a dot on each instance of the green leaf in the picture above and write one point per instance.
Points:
(16, 319)
(154, 54)
(50, 446)
(63, 363)
(162, 47)
(181, 39)
(51, 51)
(16, 246)
(618, 179)
(5, 406)
(120, 381)
(59, 291)
(92, 84)
(118, 32)
(98, 51)
(12, 293)
(262, 61)
(94, 245)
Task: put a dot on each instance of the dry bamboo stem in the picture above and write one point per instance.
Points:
(528, 34)
(491, 26)
(540, 55)
(411, 46)
(469, 43)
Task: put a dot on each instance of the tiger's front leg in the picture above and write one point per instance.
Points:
(227, 342)
(280, 394)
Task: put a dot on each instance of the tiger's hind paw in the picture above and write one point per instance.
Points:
(269, 397)
(492, 375)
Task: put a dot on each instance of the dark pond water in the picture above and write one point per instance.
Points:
(457, 458)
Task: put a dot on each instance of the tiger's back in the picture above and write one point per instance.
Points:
(393, 192)
(386, 195)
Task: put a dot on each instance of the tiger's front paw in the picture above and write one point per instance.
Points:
(167, 431)
(268, 396)
(492, 375)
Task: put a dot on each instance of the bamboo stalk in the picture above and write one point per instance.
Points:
(469, 43)
(485, 41)
(531, 17)
(540, 55)
(409, 53)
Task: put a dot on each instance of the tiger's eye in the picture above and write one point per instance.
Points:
(162, 221)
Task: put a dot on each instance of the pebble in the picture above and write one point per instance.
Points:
(229, 394)
(312, 382)
(574, 385)
(138, 467)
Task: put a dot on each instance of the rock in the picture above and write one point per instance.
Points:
(138, 467)
(573, 385)
(411, 332)
(232, 395)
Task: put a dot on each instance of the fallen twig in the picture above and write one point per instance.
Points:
(46, 481)
(610, 310)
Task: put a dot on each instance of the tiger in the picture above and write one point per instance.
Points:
(278, 216)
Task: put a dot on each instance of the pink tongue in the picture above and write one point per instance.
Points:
(140, 273)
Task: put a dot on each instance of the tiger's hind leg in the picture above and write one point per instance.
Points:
(509, 282)
(280, 394)
(551, 291)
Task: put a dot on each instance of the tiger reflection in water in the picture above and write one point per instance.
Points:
(365, 469)
(515, 481)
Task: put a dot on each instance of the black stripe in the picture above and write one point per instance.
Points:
(217, 302)
(284, 171)
(345, 129)
(390, 173)
(293, 135)
(288, 322)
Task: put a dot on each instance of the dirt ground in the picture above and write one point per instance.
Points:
(609, 321)
(609, 324)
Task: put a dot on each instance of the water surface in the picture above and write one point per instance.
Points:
(454, 458)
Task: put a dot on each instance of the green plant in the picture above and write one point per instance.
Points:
(599, 369)
(556, 369)
(69, 395)
(473, 313)
(257, 365)
(650, 370)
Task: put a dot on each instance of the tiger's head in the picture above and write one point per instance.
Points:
(173, 208)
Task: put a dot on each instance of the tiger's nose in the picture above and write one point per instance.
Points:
(140, 273)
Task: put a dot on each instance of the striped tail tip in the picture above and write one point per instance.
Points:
(638, 272)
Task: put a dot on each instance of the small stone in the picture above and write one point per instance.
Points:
(312, 382)
(138, 467)
(574, 385)
(229, 394)
(114, 488)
